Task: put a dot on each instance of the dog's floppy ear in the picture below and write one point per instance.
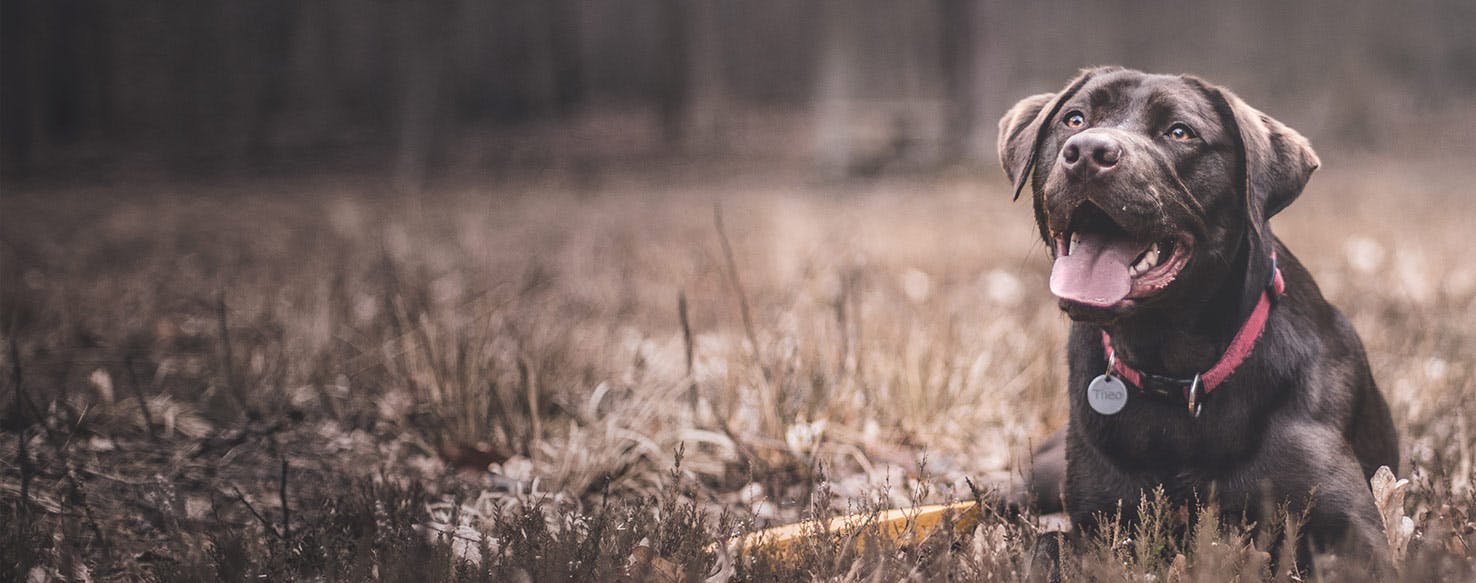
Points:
(1025, 126)
(1272, 165)
(1016, 140)
(1277, 161)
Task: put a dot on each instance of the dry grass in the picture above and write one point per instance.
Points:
(501, 373)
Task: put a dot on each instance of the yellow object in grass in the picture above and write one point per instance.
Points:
(901, 526)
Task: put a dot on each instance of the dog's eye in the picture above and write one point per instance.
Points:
(1180, 131)
(1074, 120)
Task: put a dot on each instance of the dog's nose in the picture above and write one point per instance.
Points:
(1090, 155)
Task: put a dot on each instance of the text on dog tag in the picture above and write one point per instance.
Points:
(1107, 395)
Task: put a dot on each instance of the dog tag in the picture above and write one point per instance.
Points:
(1107, 395)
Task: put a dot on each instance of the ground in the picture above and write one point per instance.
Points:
(600, 374)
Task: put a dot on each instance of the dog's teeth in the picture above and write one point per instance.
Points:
(1149, 261)
(1071, 247)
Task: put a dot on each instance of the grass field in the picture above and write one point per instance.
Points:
(552, 378)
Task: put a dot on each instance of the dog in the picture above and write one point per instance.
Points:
(1202, 357)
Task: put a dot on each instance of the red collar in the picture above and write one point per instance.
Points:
(1239, 350)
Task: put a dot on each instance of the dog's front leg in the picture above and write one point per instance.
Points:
(1312, 468)
(1095, 490)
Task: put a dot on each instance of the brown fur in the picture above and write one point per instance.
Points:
(1301, 421)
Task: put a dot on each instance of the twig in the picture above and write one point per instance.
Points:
(242, 436)
(687, 342)
(397, 327)
(530, 385)
(422, 337)
(267, 524)
(717, 219)
(23, 400)
(81, 496)
(282, 492)
(23, 454)
(143, 405)
(857, 326)
(845, 330)
(745, 452)
(758, 356)
(984, 501)
(227, 360)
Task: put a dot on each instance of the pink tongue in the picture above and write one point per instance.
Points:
(1096, 271)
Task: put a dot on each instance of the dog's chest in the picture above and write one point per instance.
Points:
(1166, 440)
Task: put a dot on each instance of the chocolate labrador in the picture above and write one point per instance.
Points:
(1203, 358)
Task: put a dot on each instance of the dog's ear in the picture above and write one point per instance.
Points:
(1277, 160)
(1026, 125)
(1016, 135)
(1273, 163)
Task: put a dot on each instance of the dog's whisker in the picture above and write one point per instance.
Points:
(1187, 200)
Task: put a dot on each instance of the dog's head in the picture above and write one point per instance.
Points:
(1149, 188)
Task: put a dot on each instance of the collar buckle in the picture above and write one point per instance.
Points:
(1195, 406)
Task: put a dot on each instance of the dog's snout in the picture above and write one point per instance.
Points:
(1091, 154)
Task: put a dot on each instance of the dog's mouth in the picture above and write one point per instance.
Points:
(1099, 264)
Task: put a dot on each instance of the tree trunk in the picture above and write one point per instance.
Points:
(832, 95)
(673, 75)
(958, 51)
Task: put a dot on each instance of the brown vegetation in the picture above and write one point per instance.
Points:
(548, 379)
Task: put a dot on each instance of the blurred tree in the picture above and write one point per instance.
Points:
(672, 78)
(421, 38)
(833, 141)
(98, 87)
(959, 51)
